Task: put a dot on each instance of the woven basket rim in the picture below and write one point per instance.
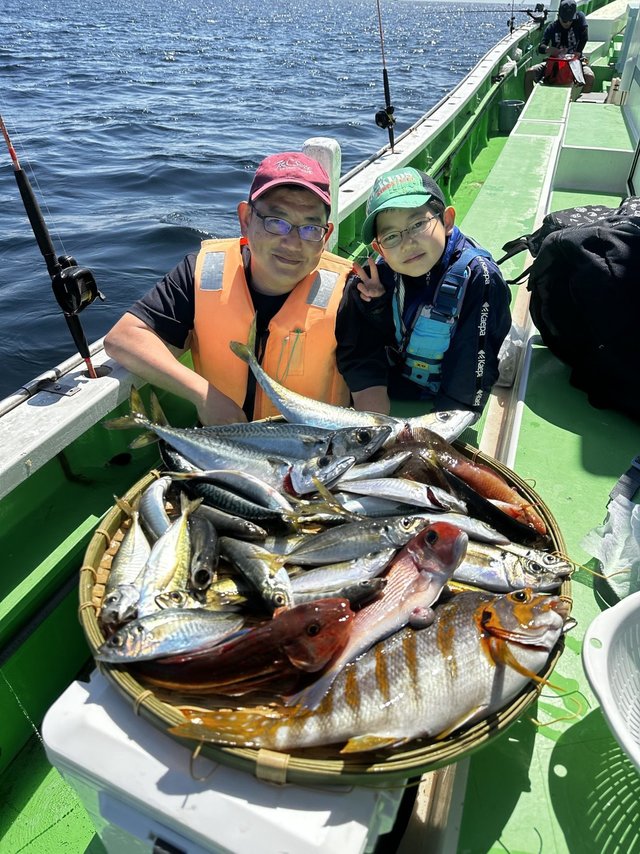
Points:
(302, 766)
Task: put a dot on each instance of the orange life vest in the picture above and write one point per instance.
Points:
(300, 350)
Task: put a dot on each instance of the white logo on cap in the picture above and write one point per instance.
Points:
(292, 163)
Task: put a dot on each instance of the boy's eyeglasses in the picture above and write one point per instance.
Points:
(275, 225)
(394, 238)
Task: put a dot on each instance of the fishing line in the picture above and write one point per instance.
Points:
(385, 118)
(22, 708)
(74, 287)
(24, 158)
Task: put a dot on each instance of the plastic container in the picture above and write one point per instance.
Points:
(508, 115)
(611, 659)
(145, 792)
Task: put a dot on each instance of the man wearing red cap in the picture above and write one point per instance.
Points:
(277, 273)
(567, 35)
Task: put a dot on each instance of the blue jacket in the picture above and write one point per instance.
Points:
(368, 353)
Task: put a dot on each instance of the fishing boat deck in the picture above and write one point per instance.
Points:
(556, 781)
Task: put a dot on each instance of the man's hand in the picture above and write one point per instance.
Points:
(369, 284)
(137, 348)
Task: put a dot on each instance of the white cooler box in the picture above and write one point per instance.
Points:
(136, 784)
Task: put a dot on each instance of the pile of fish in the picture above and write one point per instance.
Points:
(336, 578)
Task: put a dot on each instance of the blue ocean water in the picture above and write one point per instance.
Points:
(140, 122)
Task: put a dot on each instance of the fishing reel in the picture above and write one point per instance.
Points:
(385, 118)
(74, 287)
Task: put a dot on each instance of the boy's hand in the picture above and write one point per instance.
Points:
(369, 284)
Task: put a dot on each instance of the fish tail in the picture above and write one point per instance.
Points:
(137, 416)
(187, 506)
(233, 727)
(157, 413)
(241, 350)
(251, 337)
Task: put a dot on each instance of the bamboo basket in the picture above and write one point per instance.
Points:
(317, 766)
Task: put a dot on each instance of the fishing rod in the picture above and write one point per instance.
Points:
(385, 118)
(74, 287)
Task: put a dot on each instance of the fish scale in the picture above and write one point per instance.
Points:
(413, 684)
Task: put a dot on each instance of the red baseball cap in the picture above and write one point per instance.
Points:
(291, 167)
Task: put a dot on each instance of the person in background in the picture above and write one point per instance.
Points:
(427, 320)
(567, 35)
(277, 273)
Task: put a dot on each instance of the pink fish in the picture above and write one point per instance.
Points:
(415, 579)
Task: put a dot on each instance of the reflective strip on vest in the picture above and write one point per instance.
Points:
(212, 268)
(322, 288)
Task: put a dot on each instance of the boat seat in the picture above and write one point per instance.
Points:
(597, 149)
(608, 21)
(561, 199)
(508, 203)
(597, 52)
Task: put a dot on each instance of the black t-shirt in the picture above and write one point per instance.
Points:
(365, 330)
(169, 309)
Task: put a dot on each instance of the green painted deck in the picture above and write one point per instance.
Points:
(528, 127)
(547, 104)
(561, 199)
(555, 781)
(40, 813)
(508, 202)
(597, 126)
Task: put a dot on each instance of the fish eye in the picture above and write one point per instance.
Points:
(432, 536)
(140, 629)
(313, 629)
(323, 462)
(535, 567)
(363, 436)
(520, 596)
(116, 641)
(279, 599)
(407, 522)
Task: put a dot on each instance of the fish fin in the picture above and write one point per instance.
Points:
(368, 742)
(421, 617)
(146, 438)
(136, 404)
(251, 337)
(311, 696)
(137, 416)
(461, 721)
(499, 650)
(123, 422)
(235, 727)
(241, 351)
(187, 505)
(330, 500)
(157, 413)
